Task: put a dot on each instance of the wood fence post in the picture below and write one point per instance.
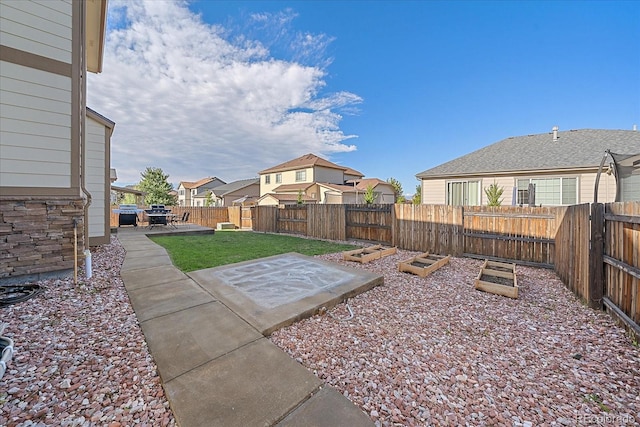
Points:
(596, 257)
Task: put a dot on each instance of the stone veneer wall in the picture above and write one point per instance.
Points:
(37, 238)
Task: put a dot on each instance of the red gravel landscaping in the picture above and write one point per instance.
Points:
(435, 351)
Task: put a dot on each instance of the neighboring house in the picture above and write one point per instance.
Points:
(291, 194)
(354, 192)
(187, 190)
(562, 166)
(226, 194)
(314, 180)
(54, 154)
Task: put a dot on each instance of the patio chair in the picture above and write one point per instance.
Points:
(183, 220)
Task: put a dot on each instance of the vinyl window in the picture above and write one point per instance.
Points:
(549, 191)
(463, 193)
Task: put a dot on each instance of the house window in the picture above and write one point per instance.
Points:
(549, 191)
(301, 175)
(182, 191)
(463, 193)
(267, 179)
(278, 178)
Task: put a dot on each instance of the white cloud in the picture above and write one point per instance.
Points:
(190, 101)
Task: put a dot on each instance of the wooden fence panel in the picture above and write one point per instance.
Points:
(265, 219)
(326, 222)
(428, 228)
(203, 216)
(372, 223)
(622, 257)
(571, 261)
(512, 233)
(292, 219)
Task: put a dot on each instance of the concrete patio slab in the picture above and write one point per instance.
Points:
(137, 243)
(186, 339)
(241, 388)
(140, 278)
(154, 301)
(146, 250)
(326, 408)
(273, 292)
(150, 260)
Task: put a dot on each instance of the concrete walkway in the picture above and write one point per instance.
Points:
(218, 370)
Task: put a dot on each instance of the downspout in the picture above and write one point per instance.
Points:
(84, 194)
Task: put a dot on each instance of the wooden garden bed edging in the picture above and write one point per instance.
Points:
(368, 254)
(423, 264)
(498, 278)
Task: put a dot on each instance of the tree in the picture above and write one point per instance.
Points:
(300, 200)
(494, 193)
(417, 198)
(208, 199)
(154, 183)
(369, 195)
(129, 199)
(397, 190)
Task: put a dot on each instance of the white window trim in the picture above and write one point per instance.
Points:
(561, 177)
(464, 181)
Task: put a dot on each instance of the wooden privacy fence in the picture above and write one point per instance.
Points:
(572, 243)
(598, 257)
(519, 233)
(372, 223)
(620, 259)
(205, 216)
(429, 228)
(512, 233)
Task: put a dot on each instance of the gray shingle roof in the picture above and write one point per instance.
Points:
(582, 148)
(235, 185)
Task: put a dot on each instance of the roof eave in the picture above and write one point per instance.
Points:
(96, 24)
(421, 176)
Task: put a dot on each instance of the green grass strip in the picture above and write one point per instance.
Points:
(190, 253)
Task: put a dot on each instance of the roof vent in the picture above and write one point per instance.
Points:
(554, 130)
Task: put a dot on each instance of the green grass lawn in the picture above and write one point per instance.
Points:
(190, 253)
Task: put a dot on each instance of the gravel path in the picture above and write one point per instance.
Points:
(434, 351)
(81, 358)
(429, 351)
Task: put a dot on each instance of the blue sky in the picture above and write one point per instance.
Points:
(213, 88)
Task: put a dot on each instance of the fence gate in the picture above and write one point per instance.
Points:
(369, 222)
(246, 217)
